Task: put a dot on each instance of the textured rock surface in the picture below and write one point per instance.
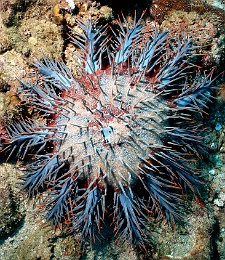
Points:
(11, 210)
(190, 241)
(160, 8)
(205, 30)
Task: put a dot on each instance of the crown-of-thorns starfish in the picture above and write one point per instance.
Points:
(128, 125)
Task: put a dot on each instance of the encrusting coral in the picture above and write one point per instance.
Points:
(119, 140)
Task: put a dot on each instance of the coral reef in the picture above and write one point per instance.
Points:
(4, 44)
(12, 61)
(121, 139)
(27, 36)
(84, 10)
(191, 241)
(206, 30)
(11, 212)
(160, 8)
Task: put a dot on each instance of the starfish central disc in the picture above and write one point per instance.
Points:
(111, 130)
